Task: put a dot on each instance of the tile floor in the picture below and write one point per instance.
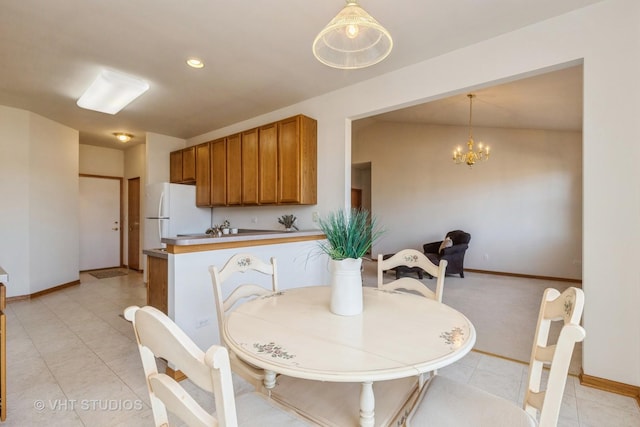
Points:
(72, 361)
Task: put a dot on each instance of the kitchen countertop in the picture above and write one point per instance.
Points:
(202, 239)
(246, 237)
(157, 253)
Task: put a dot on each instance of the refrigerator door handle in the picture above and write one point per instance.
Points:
(160, 215)
(161, 201)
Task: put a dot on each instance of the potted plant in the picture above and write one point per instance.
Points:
(349, 236)
(288, 221)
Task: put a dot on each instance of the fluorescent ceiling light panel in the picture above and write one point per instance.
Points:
(110, 92)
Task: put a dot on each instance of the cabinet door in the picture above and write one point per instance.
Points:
(218, 172)
(189, 164)
(157, 284)
(175, 166)
(203, 175)
(250, 167)
(234, 170)
(268, 164)
(289, 167)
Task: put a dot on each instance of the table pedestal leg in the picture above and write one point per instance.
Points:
(269, 380)
(367, 405)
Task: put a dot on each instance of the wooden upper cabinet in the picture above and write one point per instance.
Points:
(189, 165)
(182, 166)
(250, 167)
(297, 160)
(234, 170)
(218, 159)
(175, 166)
(268, 164)
(203, 175)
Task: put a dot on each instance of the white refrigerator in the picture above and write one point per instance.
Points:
(170, 209)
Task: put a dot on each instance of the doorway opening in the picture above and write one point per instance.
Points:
(523, 207)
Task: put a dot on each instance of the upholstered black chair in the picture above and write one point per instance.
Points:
(452, 251)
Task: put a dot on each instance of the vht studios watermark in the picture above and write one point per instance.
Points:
(59, 405)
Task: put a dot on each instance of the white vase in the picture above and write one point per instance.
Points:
(346, 286)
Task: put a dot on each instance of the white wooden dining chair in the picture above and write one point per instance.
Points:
(412, 258)
(158, 336)
(241, 263)
(444, 402)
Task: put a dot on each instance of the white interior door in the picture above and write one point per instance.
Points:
(99, 223)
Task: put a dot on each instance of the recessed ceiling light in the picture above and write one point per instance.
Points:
(123, 137)
(195, 63)
(110, 92)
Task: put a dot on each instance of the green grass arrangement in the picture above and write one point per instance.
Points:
(349, 235)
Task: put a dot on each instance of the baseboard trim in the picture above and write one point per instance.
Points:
(43, 292)
(610, 386)
(526, 276)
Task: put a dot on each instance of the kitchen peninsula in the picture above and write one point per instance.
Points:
(179, 282)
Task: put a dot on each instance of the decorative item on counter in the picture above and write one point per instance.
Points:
(214, 231)
(350, 236)
(288, 221)
(225, 226)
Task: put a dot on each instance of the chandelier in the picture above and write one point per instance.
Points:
(470, 157)
(353, 39)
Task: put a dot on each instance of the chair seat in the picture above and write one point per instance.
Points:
(447, 403)
(255, 409)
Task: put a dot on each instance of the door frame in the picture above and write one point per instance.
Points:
(129, 207)
(121, 219)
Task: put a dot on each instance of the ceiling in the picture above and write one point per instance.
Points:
(258, 58)
(551, 101)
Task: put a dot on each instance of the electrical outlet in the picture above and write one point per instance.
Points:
(486, 257)
(254, 220)
(315, 216)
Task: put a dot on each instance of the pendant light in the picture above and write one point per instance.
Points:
(353, 39)
(471, 156)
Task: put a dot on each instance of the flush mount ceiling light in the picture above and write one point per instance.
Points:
(110, 92)
(123, 137)
(353, 39)
(470, 157)
(195, 63)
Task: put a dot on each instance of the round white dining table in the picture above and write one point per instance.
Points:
(398, 335)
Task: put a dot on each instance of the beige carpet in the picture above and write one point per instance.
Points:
(504, 310)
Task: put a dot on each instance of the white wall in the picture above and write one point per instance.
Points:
(14, 195)
(523, 207)
(101, 161)
(39, 247)
(606, 36)
(54, 248)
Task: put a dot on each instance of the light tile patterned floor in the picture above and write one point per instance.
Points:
(72, 361)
